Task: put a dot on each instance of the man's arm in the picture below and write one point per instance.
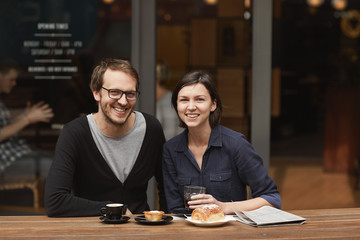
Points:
(39, 112)
(59, 199)
(12, 129)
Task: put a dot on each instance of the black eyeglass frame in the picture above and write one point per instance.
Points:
(137, 93)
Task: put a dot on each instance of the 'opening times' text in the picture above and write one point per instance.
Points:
(52, 47)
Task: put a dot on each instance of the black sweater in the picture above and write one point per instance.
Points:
(80, 181)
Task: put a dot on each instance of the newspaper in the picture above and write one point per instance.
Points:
(268, 216)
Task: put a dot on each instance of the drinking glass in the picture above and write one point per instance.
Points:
(191, 191)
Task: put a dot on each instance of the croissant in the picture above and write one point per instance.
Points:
(208, 213)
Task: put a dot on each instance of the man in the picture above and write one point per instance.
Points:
(11, 147)
(108, 156)
(164, 110)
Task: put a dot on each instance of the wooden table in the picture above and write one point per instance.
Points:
(321, 224)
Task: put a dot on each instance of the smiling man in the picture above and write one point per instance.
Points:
(107, 156)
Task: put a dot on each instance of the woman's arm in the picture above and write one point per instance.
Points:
(228, 207)
(174, 198)
(249, 167)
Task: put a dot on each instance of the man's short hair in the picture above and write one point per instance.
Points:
(97, 77)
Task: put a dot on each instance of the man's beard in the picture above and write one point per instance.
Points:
(111, 121)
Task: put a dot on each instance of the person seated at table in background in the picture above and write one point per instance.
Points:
(13, 148)
(164, 110)
(211, 155)
(107, 156)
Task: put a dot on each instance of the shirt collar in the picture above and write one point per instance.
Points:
(215, 139)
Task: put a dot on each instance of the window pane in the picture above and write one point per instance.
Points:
(57, 44)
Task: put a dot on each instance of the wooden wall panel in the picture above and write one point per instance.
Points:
(172, 48)
(238, 124)
(342, 129)
(234, 42)
(230, 8)
(231, 84)
(172, 44)
(203, 42)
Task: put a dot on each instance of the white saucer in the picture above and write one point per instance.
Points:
(210, 224)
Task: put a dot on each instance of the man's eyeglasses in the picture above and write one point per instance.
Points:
(117, 94)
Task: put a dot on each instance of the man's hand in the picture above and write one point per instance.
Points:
(39, 112)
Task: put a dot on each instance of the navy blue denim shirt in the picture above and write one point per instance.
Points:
(229, 165)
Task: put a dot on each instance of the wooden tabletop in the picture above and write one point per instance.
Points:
(321, 224)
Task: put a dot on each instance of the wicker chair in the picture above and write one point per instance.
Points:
(27, 173)
(33, 185)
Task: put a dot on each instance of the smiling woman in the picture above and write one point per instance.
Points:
(210, 155)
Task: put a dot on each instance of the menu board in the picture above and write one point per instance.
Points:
(52, 50)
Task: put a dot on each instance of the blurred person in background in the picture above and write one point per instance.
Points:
(12, 147)
(165, 112)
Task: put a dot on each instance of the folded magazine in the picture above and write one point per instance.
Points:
(268, 216)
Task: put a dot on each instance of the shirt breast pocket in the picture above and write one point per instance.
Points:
(221, 185)
(182, 181)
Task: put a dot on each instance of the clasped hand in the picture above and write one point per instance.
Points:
(39, 112)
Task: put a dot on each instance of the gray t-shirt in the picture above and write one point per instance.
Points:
(120, 153)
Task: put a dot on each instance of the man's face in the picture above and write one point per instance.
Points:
(116, 111)
(8, 81)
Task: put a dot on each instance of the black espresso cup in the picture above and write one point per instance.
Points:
(112, 211)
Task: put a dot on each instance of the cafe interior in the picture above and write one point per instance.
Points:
(291, 85)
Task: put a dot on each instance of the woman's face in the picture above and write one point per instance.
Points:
(194, 106)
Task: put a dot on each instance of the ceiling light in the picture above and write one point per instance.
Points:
(315, 3)
(339, 4)
(211, 2)
(108, 1)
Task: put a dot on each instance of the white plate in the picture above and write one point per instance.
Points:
(210, 224)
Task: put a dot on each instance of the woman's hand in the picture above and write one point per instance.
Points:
(201, 199)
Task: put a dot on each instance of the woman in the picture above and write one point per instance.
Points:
(211, 155)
